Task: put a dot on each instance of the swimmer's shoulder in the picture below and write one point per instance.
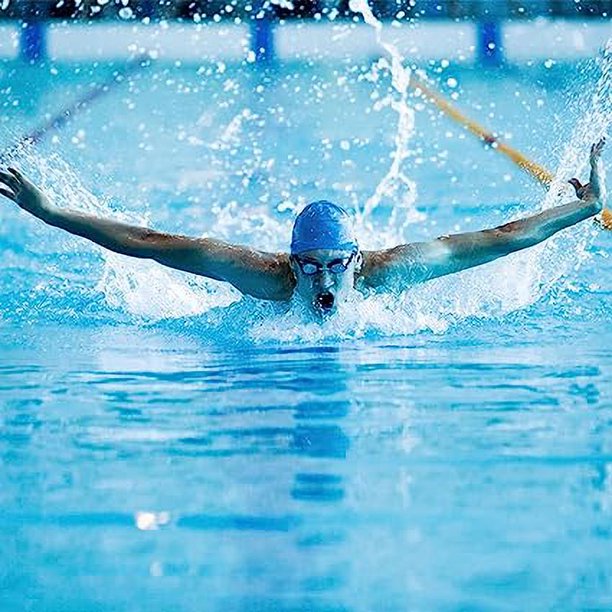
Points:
(376, 266)
(272, 276)
(260, 274)
(393, 268)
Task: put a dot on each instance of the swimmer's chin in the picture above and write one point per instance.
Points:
(318, 308)
(324, 314)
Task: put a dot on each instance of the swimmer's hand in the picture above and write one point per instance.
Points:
(594, 192)
(16, 187)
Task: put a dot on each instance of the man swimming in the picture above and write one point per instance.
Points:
(325, 263)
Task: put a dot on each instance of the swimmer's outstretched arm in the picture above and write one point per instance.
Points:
(262, 275)
(407, 264)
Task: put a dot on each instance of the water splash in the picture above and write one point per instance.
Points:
(593, 125)
(520, 280)
(141, 287)
(395, 188)
(567, 251)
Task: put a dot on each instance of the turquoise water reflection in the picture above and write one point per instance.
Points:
(287, 478)
(160, 451)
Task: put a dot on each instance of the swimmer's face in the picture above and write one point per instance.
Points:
(325, 277)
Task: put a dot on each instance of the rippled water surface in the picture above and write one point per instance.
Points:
(168, 446)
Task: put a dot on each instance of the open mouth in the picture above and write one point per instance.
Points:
(325, 301)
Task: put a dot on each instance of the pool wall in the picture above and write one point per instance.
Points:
(423, 41)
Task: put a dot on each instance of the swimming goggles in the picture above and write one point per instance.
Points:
(337, 266)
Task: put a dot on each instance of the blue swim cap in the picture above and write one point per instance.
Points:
(323, 225)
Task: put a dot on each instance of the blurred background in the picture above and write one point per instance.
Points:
(290, 9)
(262, 15)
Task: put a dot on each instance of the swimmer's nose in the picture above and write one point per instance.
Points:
(326, 280)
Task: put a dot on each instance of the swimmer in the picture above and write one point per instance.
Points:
(325, 263)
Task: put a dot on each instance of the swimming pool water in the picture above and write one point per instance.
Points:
(167, 446)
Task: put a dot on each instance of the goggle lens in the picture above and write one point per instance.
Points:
(336, 267)
(309, 268)
(339, 267)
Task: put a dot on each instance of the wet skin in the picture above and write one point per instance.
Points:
(324, 290)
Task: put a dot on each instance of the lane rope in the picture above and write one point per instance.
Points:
(66, 115)
(541, 174)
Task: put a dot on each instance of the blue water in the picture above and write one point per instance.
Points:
(166, 445)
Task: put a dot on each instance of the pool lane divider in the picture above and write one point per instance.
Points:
(66, 115)
(541, 174)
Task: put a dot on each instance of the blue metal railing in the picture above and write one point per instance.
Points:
(262, 32)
